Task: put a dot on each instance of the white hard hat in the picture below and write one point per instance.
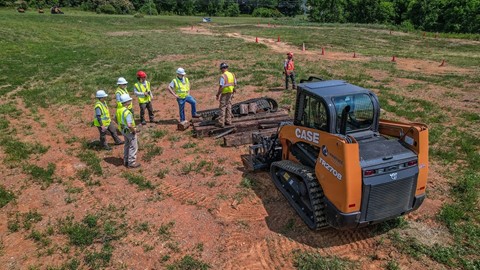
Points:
(124, 98)
(121, 80)
(101, 94)
(181, 71)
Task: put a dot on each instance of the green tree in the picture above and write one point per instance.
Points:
(289, 7)
(424, 14)
(327, 10)
(232, 10)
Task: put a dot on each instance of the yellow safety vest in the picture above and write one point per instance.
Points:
(143, 89)
(121, 92)
(228, 82)
(181, 89)
(105, 117)
(122, 114)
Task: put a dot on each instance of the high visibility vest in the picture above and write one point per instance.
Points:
(140, 87)
(228, 82)
(181, 89)
(121, 92)
(122, 114)
(290, 66)
(105, 116)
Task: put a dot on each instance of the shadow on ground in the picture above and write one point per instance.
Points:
(116, 161)
(283, 219)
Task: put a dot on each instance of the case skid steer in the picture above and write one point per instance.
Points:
(338, 164)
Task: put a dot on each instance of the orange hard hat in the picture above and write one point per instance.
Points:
(290, 53)
(141, 74)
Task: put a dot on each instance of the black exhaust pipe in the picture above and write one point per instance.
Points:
(343, 120)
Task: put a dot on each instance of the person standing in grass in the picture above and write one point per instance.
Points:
(122, 89)
(180, 88)
(144, 94)
(225, 92)
(103, 121)
(289, 70)
(127, 126)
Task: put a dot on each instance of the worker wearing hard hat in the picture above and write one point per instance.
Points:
(225, 92)
(289, 70)
(143, 92)
(180, 88)
(127, 127)
(122, 89)
(103, 121)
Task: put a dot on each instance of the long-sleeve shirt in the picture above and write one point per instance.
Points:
(139, 93)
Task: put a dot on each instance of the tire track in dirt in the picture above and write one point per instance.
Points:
(185, 196)
(245, 212)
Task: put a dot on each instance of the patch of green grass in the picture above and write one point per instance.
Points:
(162, 173)
(165, 230)
(101, 259)
(142, 227)
(173, 246)
(9, 109)
(5, 196)
(80, 234)
(17, 151)
(40, 238)
(219, 170)
(139, 180)
(13, 225)
(471, 117)
(391, 224)
(4, 124)
(41, 175)
(189, 145)
(188, 262)
(152, 152)
(147, 248)
(392, 265)
(158, 133)
(309, 260)
(93, 162)
(247, 183)
(31, 217)
(174, 138)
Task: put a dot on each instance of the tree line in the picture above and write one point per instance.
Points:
(458, 16)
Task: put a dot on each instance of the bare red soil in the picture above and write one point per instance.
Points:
(237, 228)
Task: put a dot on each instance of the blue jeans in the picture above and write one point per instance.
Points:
(181, 106)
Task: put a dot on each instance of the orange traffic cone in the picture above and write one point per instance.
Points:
(354, 55)
(256, 40)
(443, 63)
(323, 51)
(278, 39)
(303, 47)
(393, 59)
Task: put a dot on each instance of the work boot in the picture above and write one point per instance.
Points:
(134, 165)
(196, 115)
(144, 122)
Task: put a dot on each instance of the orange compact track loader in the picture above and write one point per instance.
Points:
(338, 164)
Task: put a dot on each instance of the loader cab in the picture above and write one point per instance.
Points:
(323, 105)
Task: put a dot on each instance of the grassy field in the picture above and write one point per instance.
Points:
(56, 63)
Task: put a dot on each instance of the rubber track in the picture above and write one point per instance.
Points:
(264, 103)
(315, 190)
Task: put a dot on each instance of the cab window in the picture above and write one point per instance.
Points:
(361, 112)
(314, 114)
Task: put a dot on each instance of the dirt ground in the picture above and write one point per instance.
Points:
(237, 228)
